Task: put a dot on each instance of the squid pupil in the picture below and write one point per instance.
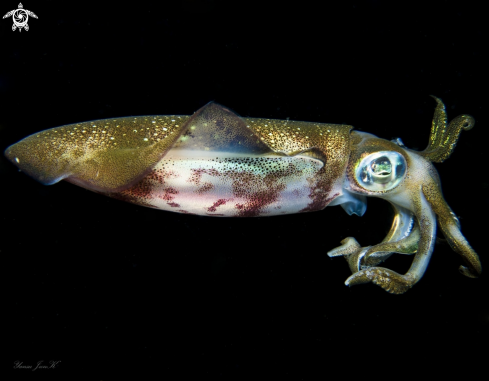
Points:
(381, 166)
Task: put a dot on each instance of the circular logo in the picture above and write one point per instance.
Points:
(20, 18)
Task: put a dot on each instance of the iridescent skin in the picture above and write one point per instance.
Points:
(216, 163)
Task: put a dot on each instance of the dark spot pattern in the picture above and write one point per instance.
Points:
(217, 204)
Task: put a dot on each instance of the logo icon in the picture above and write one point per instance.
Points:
(20, 17)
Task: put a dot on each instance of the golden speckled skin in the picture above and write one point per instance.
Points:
(104, 154)
(258, 167)
(443, 138)
(112, 154)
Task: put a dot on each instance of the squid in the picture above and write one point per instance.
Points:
(215, 163)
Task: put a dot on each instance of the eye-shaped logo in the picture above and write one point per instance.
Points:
(20, 17)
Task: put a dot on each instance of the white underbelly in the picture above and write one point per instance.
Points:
(231, 185)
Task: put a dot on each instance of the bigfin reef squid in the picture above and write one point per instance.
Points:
(215, 163)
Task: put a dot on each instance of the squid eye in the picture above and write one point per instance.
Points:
(381, 171)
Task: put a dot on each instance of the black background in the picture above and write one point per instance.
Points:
(103, 286)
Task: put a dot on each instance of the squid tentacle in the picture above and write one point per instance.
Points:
(450, 227)
(443, 138)
(352, 251)
(392, 281)
(348, 246)
(379, 253)
(355, 260)
(402, 238)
